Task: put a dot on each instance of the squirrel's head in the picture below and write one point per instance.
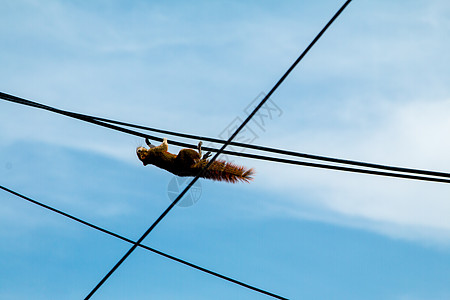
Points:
(142, 154)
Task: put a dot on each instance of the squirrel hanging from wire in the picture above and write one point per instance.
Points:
(189, 162)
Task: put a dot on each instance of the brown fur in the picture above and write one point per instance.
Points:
(189, 162)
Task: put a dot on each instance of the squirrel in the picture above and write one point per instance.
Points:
(189, 162)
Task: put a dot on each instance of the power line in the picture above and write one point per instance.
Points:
(278, 151)
(146, 233)
(140, 245)
(105, 123)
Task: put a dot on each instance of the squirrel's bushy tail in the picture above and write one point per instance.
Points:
(224, 171)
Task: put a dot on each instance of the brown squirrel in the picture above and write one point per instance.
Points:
(189, 162)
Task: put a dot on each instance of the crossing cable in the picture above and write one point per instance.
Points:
(140, 245)
(250, 116)
(109, 124)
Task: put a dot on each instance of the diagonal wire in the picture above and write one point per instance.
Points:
(105, 123)
(140, 245)
(147, 232)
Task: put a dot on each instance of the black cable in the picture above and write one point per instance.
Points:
(102, 122)
(146, 233)
(278, 151)
(142, 246)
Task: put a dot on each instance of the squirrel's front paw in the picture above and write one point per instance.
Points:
(149, 144)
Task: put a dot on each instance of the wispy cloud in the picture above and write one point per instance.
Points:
(374, 89)
(412, 135)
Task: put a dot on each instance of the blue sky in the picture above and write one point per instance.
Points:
(375, 88)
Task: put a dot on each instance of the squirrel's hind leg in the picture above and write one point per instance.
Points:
(199, 147)
(206, 155)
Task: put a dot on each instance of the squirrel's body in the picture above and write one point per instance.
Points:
(189, 162)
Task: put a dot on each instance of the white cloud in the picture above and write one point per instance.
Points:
(412, 135)
(367, 91)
